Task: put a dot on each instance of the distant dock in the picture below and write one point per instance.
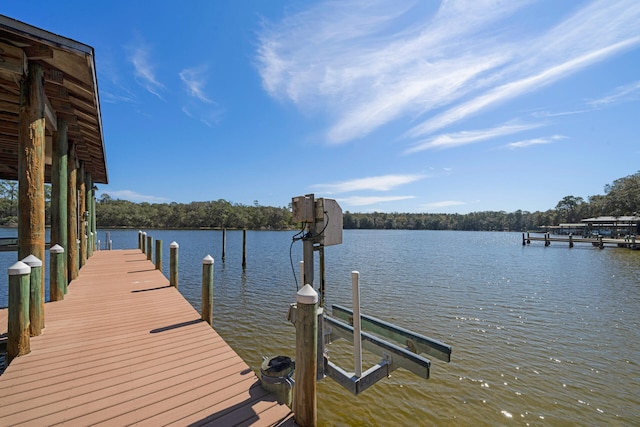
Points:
(600, 241)
(124, 347)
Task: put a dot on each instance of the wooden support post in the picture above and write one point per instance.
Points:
(524, 242)
(158, 254)
(244, 248)
(36, 301)
(143, 246)
(207, 289)
(224, 243)
(570, 240)
(94, 227)
(528, 238)
(59, 191)
(89, 200)
(72, 217)
(600, 244)
(31, 166)
(82, 202)
(149, 247)
(18, 322)
(173, 264)
(305, 406)
(140, 240)
(57, 277)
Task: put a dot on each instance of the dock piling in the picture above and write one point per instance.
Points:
(207, 289)
(224, 243)
(36, 301)
(149, 247)
(244, 248)
(158, 254)
(18, 322)
(305, 399)
(173, 264)
(56, 271)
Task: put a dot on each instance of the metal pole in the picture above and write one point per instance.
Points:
(207, 289)
(305, 399)
(18, 322)
(173, 264)
(357, 337)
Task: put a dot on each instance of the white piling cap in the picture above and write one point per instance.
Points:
(307, 295)
(208, 260)
(174, 245)
(57, 249)
(32, 261)
(19, 268)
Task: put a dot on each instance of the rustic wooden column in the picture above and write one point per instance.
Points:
(18, 342)
(94, 228)
(31, 141)
(72, 216)
(82, 204)
(207, 289)
(305, 406)
(89, 201)
(59, 191)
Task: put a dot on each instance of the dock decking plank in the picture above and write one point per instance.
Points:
(124, 347)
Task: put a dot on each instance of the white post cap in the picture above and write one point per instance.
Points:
(174, 245)
(57, 249)
(307, 295)
(32, 261)
(208, 260)
(19, 268)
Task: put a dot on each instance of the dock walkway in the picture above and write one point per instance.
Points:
(124, 347)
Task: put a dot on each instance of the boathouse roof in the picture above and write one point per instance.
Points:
(628, 219)
(71, 90)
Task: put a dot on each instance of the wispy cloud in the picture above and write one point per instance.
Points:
(144, 69)
(377, 183)
(534, 141)
(620, 94)
(371, 63)
(457, 139)
(133, 196)
(195, 81)
(371, 200)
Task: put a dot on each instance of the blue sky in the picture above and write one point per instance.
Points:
(389, 106)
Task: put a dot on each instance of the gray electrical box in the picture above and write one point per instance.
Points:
(302, 209)
(329, 222)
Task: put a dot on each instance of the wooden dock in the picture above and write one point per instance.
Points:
(601, 242)
(124, 348)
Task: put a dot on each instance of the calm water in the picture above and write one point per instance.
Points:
(540, 336)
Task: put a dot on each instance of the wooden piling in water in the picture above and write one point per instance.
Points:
(570, 241)
(36, 302)
(158, 254)
(57, 279)
(207, 289)
(305, 406)
(244, 248)
(224, 243)
(18, 343)
(173, 264)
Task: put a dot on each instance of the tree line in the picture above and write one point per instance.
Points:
(622, 197)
